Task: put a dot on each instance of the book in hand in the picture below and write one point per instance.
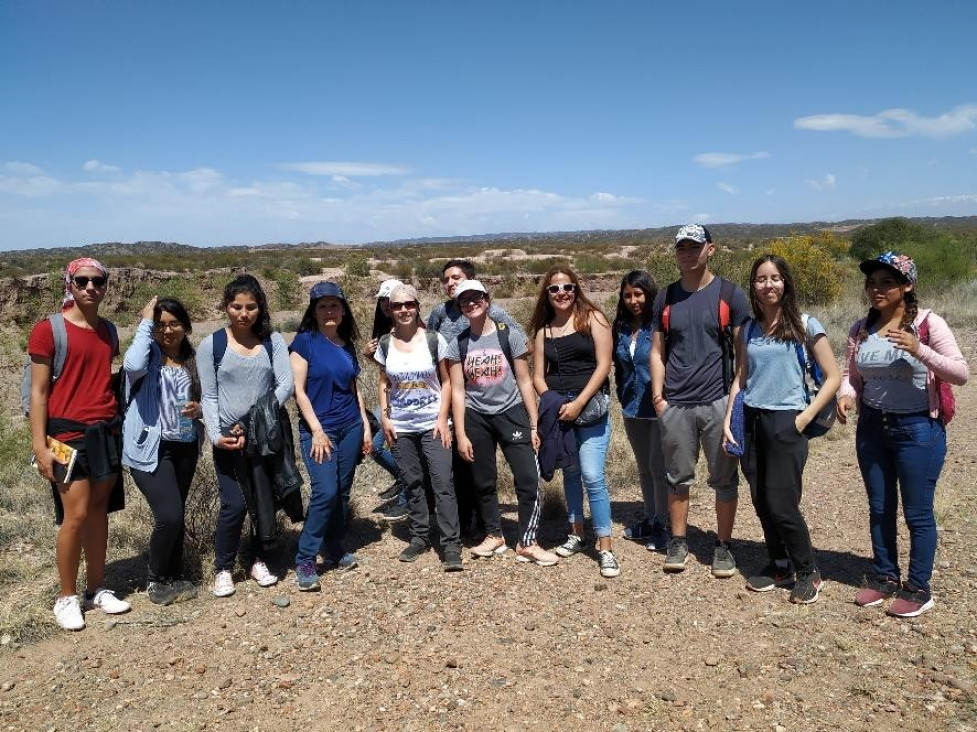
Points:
(64, 460)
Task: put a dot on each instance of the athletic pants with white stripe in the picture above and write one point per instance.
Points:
(510, 430)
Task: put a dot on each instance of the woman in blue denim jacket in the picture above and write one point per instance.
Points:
(161, 436)
(632, 331)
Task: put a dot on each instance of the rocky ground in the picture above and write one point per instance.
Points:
(506, 646)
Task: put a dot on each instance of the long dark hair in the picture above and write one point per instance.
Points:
(543, 313)
(347, 329)
(791, 325)
(911, 303)
(248, 285)
(642, 280)
(188, 354)
(382, 323)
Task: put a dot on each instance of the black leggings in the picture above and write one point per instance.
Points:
(166, 491)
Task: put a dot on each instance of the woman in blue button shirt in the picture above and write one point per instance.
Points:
(632, 330)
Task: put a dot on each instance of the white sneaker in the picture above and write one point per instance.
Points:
(106, 601)
(223, 584)
(261, 575)
(67, 611)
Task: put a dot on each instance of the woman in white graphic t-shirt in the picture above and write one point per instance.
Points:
(414, 404)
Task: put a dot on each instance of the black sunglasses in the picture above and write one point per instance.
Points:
(81, 281)
(408, 305)
(565, 287)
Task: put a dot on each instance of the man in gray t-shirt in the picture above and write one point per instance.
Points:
(690, 388)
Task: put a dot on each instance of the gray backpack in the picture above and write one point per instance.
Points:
(60, 354)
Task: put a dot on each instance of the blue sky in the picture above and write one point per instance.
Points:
(214, 123)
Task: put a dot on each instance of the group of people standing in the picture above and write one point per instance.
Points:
(699, 367)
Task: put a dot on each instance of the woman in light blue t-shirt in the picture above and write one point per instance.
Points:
(770, 373)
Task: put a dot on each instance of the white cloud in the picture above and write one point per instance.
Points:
(719, 160)
(727, 188)
(702, 218)
(826, 183)
(894, 123)
(946, 200)
(38, 186)
(15, 167)
(349, 170)
(97, 166)
(203, 206)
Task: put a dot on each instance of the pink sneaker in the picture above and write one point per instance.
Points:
(536, 554)
(490, 546)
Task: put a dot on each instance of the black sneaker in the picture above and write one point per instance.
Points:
(723, 564)
(388, 494)
(395, 513)
(771, 577)
(161, 593)
(186, 590)
(677, 555)
(660, 535)
(807, 589)
(640, 531)
(452, 560)
(412, 551)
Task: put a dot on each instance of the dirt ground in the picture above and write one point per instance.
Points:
(506, 646)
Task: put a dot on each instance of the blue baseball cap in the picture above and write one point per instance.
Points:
(326, 289)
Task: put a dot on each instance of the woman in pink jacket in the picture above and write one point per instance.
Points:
(899, 361)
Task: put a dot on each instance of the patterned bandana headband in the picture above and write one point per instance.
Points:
(69, 273)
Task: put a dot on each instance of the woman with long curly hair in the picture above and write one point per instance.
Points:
(573, 355)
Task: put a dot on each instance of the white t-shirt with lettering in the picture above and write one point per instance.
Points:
(415, 390)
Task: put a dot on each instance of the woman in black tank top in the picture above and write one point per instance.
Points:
(572, 356)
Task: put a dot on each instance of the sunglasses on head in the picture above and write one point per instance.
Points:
(409, 305)
(81, 281)
(565, 287)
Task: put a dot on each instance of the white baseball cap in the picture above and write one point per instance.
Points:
(386, 287)
(470, 286)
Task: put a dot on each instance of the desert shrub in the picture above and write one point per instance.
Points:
(819, 276)
(288, 288)
(941, 257)
(427, 268)
(592, 263)
(542, 266)
(357, 267)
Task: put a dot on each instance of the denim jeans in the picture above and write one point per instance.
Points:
(381, 454)
(908, 449)
(592, 444)
(332, 479)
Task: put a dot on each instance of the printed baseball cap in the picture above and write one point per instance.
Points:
(693, 232)
(901, 265)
